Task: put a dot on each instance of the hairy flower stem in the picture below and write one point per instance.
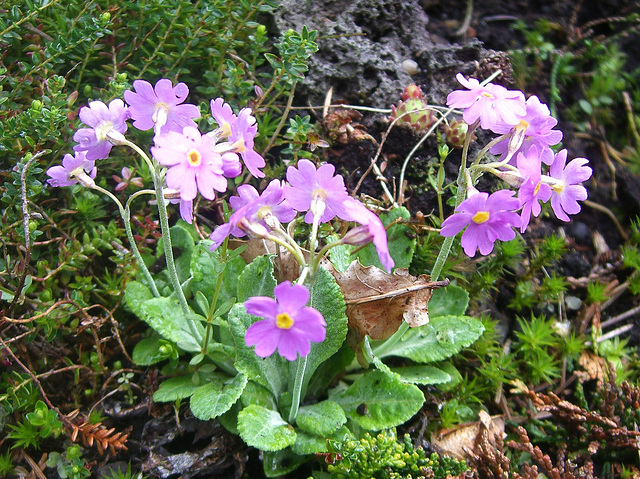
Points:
(445, 249)
(301, 366)
(166, 236)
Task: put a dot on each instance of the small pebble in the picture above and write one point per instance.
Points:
(573, 303)
(410, 67)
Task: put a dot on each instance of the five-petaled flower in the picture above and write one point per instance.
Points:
(318, 192)
(107, 127)
(532, 190)
(491, 104)
(487, 218)
(289, 325)
(566, 187)
(74, 169)
(160, 107)
(193, 163)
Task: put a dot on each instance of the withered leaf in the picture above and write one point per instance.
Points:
(377, 302)
(458, 441)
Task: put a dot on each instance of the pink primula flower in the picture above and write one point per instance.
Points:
(107, 127)
(491, 104)
(72, 168)
(567, 187)
(240, 131)
(288, 325)
(160, 107)
(537, 128)
(487, 218)
(193, 163)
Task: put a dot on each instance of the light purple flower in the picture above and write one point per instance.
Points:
(186, 209)
(486, 218)
(253, 210)
(160, 108)
(72, 167)
(537, 127)
(491, 104)
(356, 211)
(310, 189)
(288, 325)
(107, 127)
(532, 189)
(193, 163)
(240, 131)
(566, 187)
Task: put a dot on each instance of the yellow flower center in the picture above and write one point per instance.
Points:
(523, 125)
(480, 217)
(194, 157)
(487, 94)
(558, 187)
(284, 321)
(160, 114)
(225, 130)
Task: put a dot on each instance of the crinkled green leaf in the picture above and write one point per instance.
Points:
(265, 429)
(182, 245)
(135, 294)
(216, 398)
(322, 419)
(377, 401)
(440, 339)
(205, 269)
(279, 463)
(172, 389)
(256, 279)
(165, 316)
(450, 301)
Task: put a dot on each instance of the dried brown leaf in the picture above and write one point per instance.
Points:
(377, 302)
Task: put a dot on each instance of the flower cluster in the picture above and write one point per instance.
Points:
(196, 163)
(317, 192)
(526, 130)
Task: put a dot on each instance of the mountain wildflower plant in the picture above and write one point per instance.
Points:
(270, 324)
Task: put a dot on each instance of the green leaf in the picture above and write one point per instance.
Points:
(400, 237)
(135, 294)
(146, 352)
(322, 419)
(265, 429)
(440, 339)
(256, 279)
(172, 389)
(216, 398)
(271, 372)
(422, 374)
(378, 401)
(327, 298)
(452, 300)
(307, 443)
(205, 269)
(279, 463)
(165, 316)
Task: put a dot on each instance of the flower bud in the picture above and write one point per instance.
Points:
(357, 236)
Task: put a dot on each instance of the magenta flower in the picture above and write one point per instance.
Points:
(240, 131)
(566, 185)
(491, 104)
(532, 190)
(288, 325)
(254, 212)
(356, 211)
(316, 190)
(486, 218)
(537, 127)
(72, 168)
(160, 108)
(193, 163)
(107, 127)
